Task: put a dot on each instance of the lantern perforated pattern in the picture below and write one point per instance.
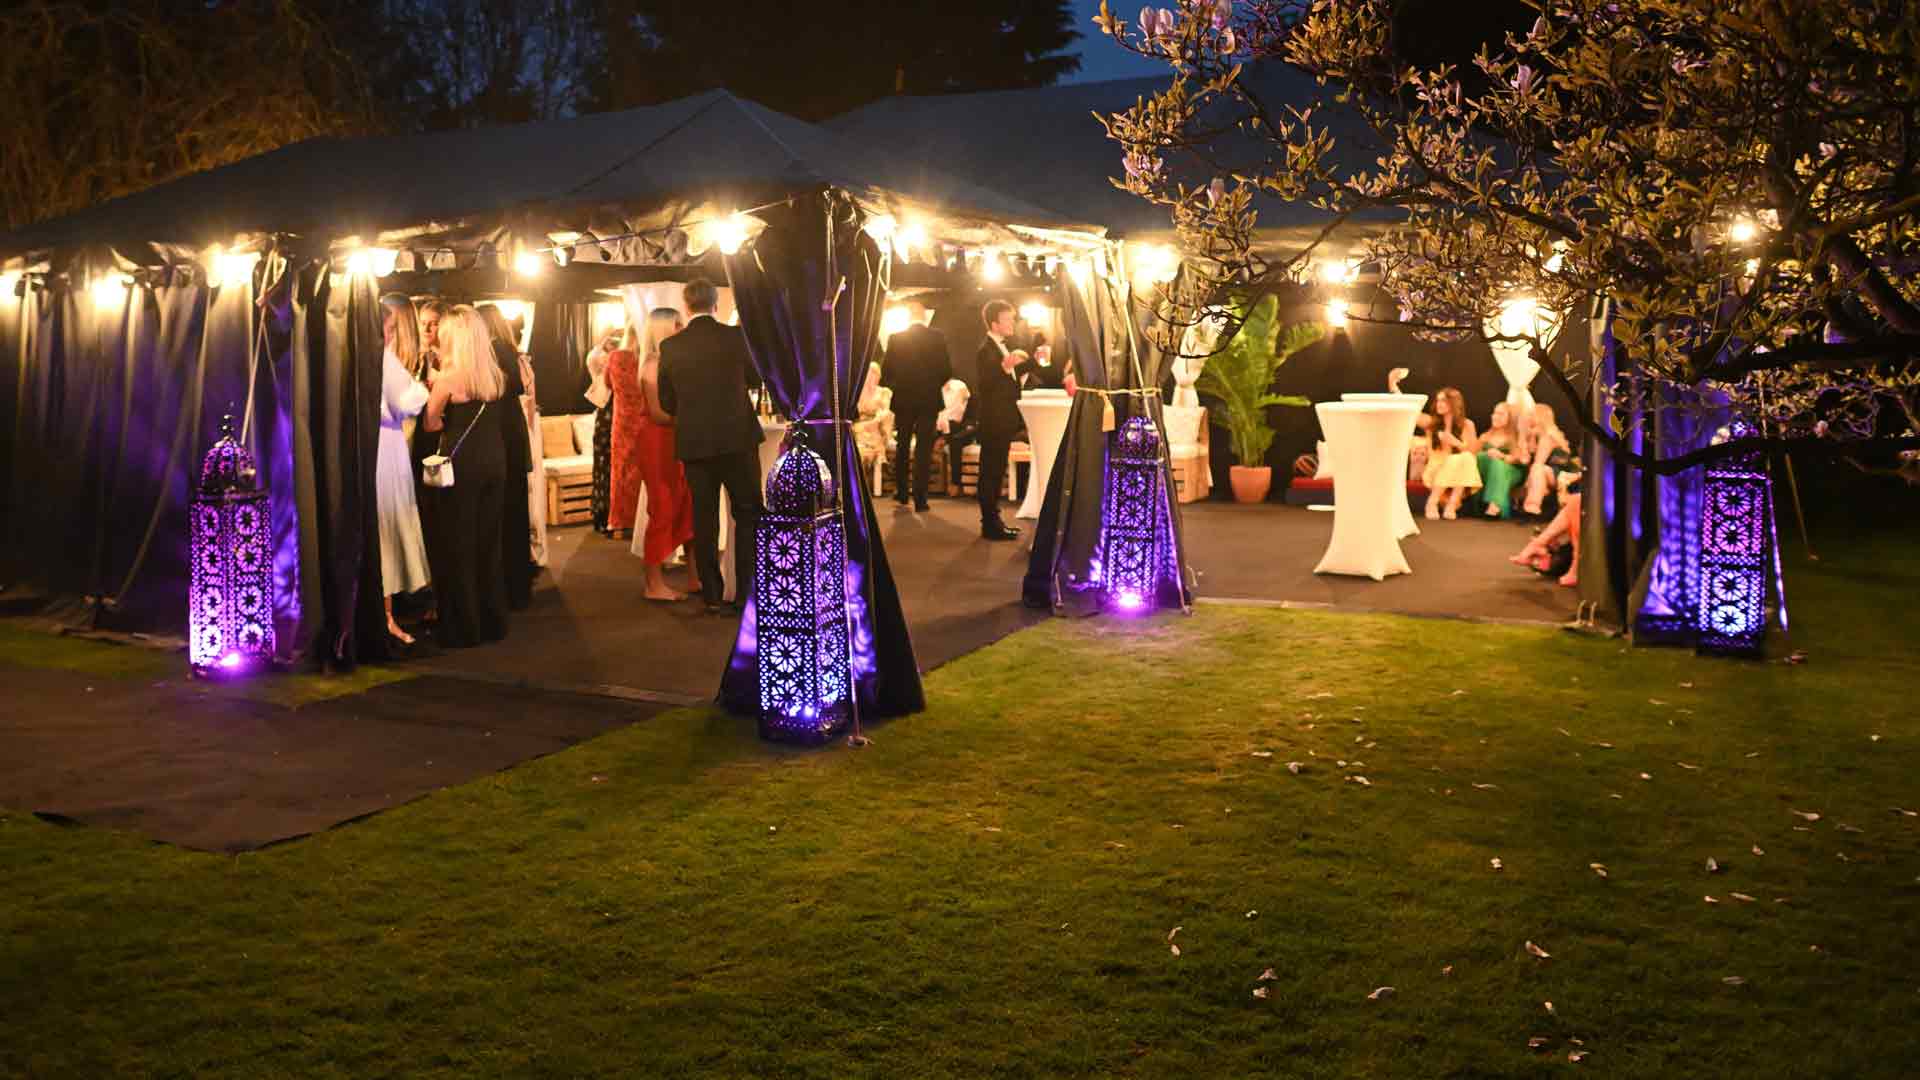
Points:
(1734, 556)
(800, 574)
(230, 588)
(1132, 540)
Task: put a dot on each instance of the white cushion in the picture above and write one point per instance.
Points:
(583, 435)
(571, 464)
(1324, 471)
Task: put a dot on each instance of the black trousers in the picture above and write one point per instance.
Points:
(739, 474)
(915, 433)
(993, 474)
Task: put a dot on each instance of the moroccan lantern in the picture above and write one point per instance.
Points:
(230, 595)
(800, 602)
(1133, 541)
(1736, 553)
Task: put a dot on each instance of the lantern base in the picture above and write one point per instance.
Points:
(806, 730)
(232, 665)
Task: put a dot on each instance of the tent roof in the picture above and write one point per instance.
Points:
(1045, 145)
(700, 149)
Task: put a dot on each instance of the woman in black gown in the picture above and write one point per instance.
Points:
(516, 526)
(466, 411)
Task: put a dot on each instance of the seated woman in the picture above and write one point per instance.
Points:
(1502, 461)
(1562, 532)
(1550, 454)
(1451, 469)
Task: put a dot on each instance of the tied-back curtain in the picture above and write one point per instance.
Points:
(1110, 352)
(1066, 540)
(812, 251)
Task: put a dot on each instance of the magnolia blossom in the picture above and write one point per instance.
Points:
(1523, 79)
(1216, 191)
(1227, 43)
(1222, 11)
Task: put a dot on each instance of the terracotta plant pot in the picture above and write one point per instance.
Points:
(1250, 484)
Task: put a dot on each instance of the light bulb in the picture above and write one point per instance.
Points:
(1036, 314)
(359, 262)
(1742, 231)
(880, 227)
(992, 268)
(529, 264)
(730, 232)
(1337, 314)
(910, 238)
(894, 320)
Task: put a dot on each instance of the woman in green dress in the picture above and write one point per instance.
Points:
(1502, 462)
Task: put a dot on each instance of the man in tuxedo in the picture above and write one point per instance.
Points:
(704, 376)
(996, 406)
(915, 368)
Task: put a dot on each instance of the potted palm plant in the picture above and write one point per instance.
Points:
(1240, 378)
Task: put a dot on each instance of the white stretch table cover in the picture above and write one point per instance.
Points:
(1403, 523)
(772, 434)
(1046, 415)
(1362, 436)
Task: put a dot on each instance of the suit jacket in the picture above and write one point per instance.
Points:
(996, 394)
(704, 376)
(915, 368)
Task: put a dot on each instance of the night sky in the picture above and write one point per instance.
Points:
(1100, 58)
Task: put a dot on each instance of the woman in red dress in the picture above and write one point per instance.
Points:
(643, 455)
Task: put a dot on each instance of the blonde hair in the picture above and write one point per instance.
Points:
(472, 353)
(662, 323)
(406, 331)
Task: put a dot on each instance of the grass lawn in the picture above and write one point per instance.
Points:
(989, 890)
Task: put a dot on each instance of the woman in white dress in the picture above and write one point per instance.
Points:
(403, 549)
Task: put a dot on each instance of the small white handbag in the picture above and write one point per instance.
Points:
(436, 470)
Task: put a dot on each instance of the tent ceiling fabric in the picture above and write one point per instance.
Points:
(607, 173)
(1045, 145)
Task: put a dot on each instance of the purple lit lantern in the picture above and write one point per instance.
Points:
(800, 602)
(230, 597)
(1133, 545)
(1736, 554)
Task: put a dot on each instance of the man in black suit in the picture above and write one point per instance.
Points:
(915, 368)
(704, 375)
(996, 407)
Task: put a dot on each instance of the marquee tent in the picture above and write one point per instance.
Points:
(128, 328)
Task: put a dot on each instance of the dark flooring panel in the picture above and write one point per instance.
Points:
(217, 773)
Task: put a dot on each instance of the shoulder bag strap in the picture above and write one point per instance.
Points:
(464, 434)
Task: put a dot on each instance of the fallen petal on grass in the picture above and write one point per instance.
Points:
(1806, 815)
(1734, 980)
(1260, 992)
(1295, 767)
(1598, 868)
(1742, 897)
(1381, 993)
(1496, 864)
(1537, 952)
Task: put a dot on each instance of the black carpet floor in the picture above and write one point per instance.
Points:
(590, 631)
(169, 761)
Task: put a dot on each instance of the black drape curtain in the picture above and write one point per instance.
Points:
(813, 249)
(557, 345)
(112, 404)
(1098, 317)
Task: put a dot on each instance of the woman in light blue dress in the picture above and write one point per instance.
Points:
(403, 548)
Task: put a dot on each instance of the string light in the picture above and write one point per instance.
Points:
(893, 320)
(1338, 271)
(529, 264)
(110, 289)
(730, 232)
(359, 262)
(992, 269)
(1155, 263)
(1742, 231)
(1337, 314)
(910, 238)
(1036, 313)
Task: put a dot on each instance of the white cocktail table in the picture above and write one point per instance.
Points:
(1367, 469)
(1046, 415)
(1403, 523)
